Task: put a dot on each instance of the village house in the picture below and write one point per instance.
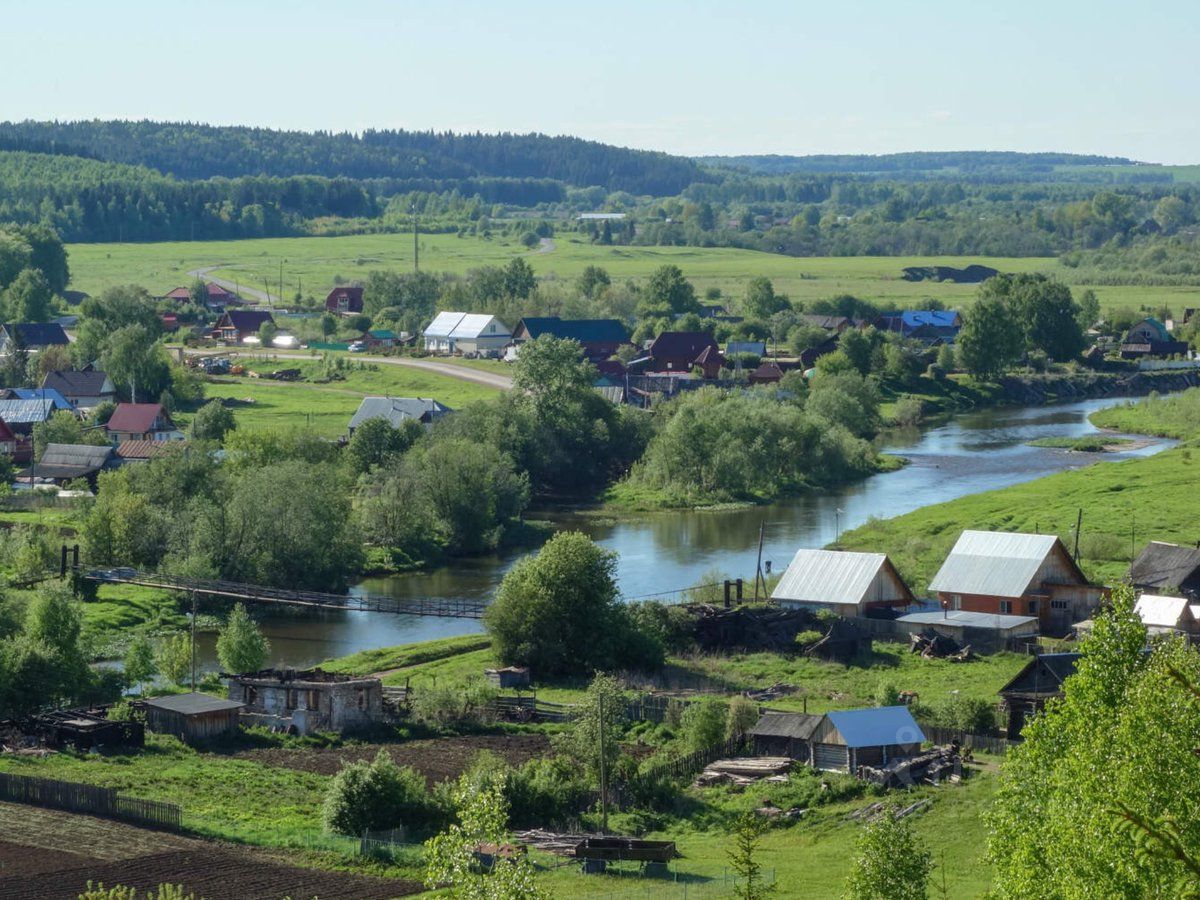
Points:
(396, 410)
(141, 451)
(235, 325)
(31, 336)
(927, 325)
(841, 581)
(680, 351)
(1016, 574)
(839, 741)
(63, 463)
(142, 422)
(8, 440)
(600, 338)
(784, 734)
(308, 701)
(379, 339)
(1150, 337)
(52, 398)
(218, 297)
(1028, 692)
(458, 332)
(344, 301)
(766, 373)
(1168, 615)
(1167, 568)
(83, 388)
(192, 717)
(20, 416)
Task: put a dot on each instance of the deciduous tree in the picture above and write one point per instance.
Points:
(241, 646)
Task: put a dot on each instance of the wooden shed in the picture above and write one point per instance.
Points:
(845, 740)
(192, 717)
(785, 734)
(508, 677)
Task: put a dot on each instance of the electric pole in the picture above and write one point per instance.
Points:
(603, 768)
(193, 641)
(413, 209)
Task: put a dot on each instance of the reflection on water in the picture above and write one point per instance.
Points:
(667, 551)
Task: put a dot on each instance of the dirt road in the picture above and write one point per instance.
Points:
(463, 373)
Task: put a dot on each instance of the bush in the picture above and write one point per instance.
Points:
(806, 639)
(742, 716)
(452, 703)
(704, 723)
(887, 694)
(374, 796)
(908, 412)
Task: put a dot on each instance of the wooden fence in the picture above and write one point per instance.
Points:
(692, 763)
(89, 799)
(985, 742)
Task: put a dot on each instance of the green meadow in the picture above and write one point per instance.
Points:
(314, 264)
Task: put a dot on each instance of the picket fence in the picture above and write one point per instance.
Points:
(87, 798)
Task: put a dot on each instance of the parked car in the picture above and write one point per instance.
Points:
(357, 347)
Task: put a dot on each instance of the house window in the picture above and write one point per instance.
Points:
(251, 696)
(1059, 604)
(1033, 607)
(1005, 607)
(291, 699)
(313, 701)
(956, 601)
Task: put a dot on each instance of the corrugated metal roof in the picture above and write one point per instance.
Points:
(463, 325)
(789, 725)
(46, 394)
(828, 576)
(396, 409)
(1163, 612)
(194, 704)
(877, 727)
(964, 619)
(22, 412)
(993, 563)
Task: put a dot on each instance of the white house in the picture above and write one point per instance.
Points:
(841, 581)
(456, 332)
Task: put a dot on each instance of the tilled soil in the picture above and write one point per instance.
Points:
(213, 874)
(438, 760)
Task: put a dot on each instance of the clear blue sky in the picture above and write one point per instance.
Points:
(839, 76)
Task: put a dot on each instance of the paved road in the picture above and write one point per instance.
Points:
(462, 373)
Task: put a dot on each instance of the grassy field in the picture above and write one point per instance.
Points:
(313, 264)
(327, 408)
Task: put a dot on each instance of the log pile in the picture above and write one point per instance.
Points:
(749, 628)
(932, 767)
(560, 844)
(932, 645)
(743, 772)
(774, 692)
(872, 812)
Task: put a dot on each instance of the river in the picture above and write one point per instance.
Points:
(668, 551)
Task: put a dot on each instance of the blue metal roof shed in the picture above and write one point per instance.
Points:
(877, 727)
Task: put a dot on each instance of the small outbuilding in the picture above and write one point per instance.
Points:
(785, 734)
(1168, 615)
(193, 717)
(308, 701)
(63, 463)
(1040, 681)
(845, 740)
(1167, 568)
(508, 677)
(841, 581)
(983, 631)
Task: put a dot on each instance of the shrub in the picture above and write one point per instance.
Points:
(742, 716)
(704, 723)
(908, 412)
(807, 638)
(451, 703)
(886, 694)
(374, 796)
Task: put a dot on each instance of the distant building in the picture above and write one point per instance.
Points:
(8, 440)
(785, 734)
(833, 324)
(600, 217)
(218, 297)
(142, 422)
(20, 416)
(1040, 681)
(55, 400)
(345, 301)
(235, 325)
(1016, 574)
(842, 582)
(599, 338)
(843, 741)
(680, 351)
(457, 332)
(63, 463)
(308, 701)
(752, 348)
(1150, 337)
(31, 336)
(928, 325)
(192, 717)
(84, 389)
(396, 410)
(985, 632)
(140, 451)
(1168, 615)
(766, 373)
(1167, 568)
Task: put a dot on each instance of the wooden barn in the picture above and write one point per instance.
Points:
(843, 582)
(785, 734)
(193, 717)
(1041, 680)
(1167, 568)
(842, 741)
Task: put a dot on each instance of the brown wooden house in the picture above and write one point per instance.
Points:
(345, 301)
(679, 351)
(1040, 681)
(192, 717)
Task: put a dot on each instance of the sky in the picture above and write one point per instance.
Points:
(694, 78)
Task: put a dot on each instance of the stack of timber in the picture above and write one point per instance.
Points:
(774, 692)
(742, 772)
(558, 843)
(931, 767)
(875, 810)
(932, 645)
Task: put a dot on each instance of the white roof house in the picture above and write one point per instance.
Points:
(1159, 613)
(395, 410)
(845, 582)
(458, 332)
(994, 563)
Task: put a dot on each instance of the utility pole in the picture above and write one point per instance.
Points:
(281, 281)
(193, 641)
(413, 209)
(603, 767)
(1078, 526)
(758, 566)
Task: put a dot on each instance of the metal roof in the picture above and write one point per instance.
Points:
(937, 318)
(828, 576)
(790, 725)
(586, 331)
(877, 727)
(993, 563)
(43, 394)
(464, 325)
(194, 704)
(1163, 612)
(396, 409)
(963, 619)
(23, 412)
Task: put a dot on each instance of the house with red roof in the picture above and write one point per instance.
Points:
(345, 301)
(680, 351)
(235, 325)
(142, 422)
(218, 297)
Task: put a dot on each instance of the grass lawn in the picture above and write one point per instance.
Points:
(314, 263)
(327, 408)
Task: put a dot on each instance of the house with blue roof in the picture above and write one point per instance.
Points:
(929, 325)
(840, 741)
(50, 396)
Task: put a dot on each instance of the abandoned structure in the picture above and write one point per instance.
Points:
(784, 734)
(192, 717)
(1041, 680)
(308, 701)
(508, 677)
